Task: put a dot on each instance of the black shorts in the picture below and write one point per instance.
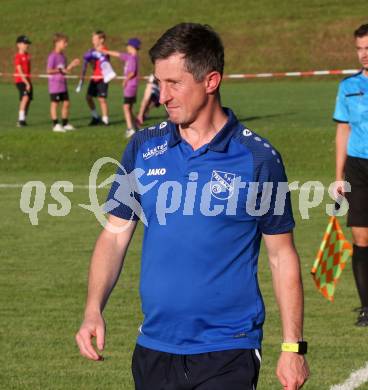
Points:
(97, 89)
(356, 173)
(235, 369)
(59, 97)
(23, 91)
(130, 99)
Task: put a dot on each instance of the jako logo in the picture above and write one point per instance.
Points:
(247, 132)
(156, 172)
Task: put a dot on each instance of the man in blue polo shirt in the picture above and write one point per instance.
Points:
(351, 115)
(207, 190)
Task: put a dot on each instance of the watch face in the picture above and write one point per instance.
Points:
(303, 347)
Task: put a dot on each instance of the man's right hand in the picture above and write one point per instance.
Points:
(28, 86)
(92, 327)
(339, 188)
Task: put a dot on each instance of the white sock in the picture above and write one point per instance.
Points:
(22, 115)
(94, 114)
(105, 119)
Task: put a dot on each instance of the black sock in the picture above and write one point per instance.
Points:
(360, 269)
(55, 121)
(64, 121)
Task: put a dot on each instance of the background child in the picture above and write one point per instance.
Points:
(98, 86)
(57, 69)
(151, 98)
(130, 83)
(22, 78)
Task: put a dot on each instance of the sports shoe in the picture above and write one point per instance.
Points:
(21, 124)
(94, 121)
(363, 317)
(69, 127)
(58, 128)
(129, 133)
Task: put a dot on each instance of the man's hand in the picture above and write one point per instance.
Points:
(93, 326)
(339, 188)
(292, 370)
(28, 86)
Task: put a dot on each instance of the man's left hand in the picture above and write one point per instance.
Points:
(292, 370)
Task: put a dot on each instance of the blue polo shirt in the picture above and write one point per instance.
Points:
(204, 212)
(352, 107)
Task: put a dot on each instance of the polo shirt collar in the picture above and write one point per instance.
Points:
(175, 136)
(219, 142)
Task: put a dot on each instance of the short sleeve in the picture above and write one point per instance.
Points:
(124, 56)
(88, 56)
(341, 113)
(274, 191)
(17, 60)
(122, 200)
(132, 65)
(51, 62)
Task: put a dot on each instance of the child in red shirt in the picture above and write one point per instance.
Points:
(22, 78)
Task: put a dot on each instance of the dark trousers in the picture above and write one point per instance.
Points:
(235, 369)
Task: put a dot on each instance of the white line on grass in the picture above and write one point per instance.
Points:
(11, 185)
(356, 379)
(76, 186)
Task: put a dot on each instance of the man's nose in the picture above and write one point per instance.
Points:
(164, 94)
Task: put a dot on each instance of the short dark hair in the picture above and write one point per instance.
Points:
(201, 46)
(101, 34)
(362, 31)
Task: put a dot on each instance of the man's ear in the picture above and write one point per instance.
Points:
(213, 80)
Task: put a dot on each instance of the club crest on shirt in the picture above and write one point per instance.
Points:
(222, 184)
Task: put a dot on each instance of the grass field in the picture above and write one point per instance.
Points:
(259, 35)
(43, 268)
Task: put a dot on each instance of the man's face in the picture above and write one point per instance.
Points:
(362, 50)
(182, 95)
(97, 41)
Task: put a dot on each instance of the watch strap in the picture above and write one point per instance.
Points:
(300, 347)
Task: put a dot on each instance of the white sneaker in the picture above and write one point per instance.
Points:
(58, 128)
(129, 133)
(69, 127)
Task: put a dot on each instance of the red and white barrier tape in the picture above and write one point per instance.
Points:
(229, 76)
(291, 74)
